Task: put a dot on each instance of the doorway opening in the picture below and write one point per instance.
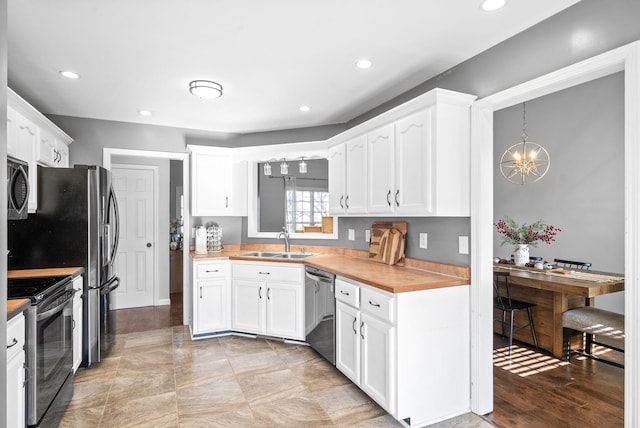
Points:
(176, 308)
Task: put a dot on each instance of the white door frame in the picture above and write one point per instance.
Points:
(156, 222)
(107, 154)
(627, 59)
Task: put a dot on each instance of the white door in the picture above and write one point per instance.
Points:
(248, 303)
(356, 199)
(134, 186)
(348, 341)
(376, 373)
(380, 198)
(285, 303)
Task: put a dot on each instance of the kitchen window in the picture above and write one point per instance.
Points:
(305, 208)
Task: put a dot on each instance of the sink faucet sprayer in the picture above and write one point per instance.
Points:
(284, 234)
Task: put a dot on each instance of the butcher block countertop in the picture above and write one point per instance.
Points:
(26, 273)
(15, 306)
(354, 264)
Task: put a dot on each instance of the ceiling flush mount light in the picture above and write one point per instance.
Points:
(304, 108)
(205, 89)
(525, 161)
(69, 74)
(284, 167)
(491, 5)
(302, 167)
(145, 112)
(363, 64)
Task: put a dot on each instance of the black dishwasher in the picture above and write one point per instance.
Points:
(320, 307)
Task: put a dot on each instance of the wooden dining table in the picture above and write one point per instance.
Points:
(554, 292)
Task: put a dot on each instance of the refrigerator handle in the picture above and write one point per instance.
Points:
(116, 222)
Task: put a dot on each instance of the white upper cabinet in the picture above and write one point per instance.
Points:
(417, 159)
(218, 184)
(347, 177)
(381, 182)
(33, 138)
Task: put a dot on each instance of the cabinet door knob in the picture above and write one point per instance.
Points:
(148, 244)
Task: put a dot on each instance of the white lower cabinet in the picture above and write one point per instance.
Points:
(268, 298)
(16, 410)
(77, 323)
(408, 351)
(211, 297)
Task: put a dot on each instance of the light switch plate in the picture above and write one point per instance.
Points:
(463, 244)
(352, 235)
(423, 240)
(367, 235)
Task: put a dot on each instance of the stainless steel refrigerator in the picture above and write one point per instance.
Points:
(76, 224)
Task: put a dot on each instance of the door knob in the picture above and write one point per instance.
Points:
(148, 244)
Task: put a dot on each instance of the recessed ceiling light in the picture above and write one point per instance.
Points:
(69, 74)
(363, 63)
(304, 108)
(145, 112)
(205, 89)
(491, 5)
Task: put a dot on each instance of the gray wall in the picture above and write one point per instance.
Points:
(582, 128)
(175, 181)
(3, 201)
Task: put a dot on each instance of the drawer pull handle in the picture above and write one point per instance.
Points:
(344, 292)
(341, 199)
(388, 201)
(264, 273)
(14, 342)
(268, 294)
(212, 271)
(354, 326)
(377, 305)
(260, 293)
(201, 292)
(361, 327)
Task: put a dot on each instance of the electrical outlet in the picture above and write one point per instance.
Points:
(367, 235)
(463, 244)
(423, 240)
(352, 235)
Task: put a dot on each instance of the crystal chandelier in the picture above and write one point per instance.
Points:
(524, 161)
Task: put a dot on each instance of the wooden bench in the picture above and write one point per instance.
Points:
(601, 327)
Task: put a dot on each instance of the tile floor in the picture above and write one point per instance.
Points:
(161, 378)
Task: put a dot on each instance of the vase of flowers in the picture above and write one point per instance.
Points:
(524, 235)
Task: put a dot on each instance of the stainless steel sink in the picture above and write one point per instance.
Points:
(278, 255)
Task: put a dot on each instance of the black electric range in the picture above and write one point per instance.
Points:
(35, 288)
(49, 345)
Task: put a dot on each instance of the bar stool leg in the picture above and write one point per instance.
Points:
(533, 329)
(510, 331)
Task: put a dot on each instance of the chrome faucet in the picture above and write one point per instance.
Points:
(285, 235)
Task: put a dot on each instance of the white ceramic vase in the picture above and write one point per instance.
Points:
(521, 254)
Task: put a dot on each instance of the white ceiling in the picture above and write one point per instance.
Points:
(270, 56)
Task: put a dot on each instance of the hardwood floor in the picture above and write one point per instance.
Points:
(534, 389)
(531, 389)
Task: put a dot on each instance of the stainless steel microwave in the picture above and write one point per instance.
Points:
(17, 189)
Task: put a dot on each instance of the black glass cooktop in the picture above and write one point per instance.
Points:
(34, 288)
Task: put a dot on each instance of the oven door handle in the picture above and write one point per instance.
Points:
(110, 286)
(52, 312)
